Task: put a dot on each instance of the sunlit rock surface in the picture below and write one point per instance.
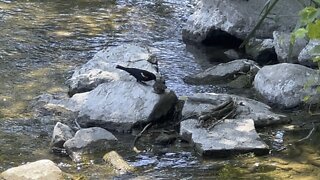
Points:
(287, 85)
(116, 106)
(90, 139)
(260, 113)
(306, 55)
(226, 73)
(101, 68)
(238, 18)
(42, 169)
(232, 136)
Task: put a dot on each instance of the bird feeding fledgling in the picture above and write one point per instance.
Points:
(140, 74)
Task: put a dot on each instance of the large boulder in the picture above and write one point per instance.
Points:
(117, 105)
(202, 103)
(232, 136)
(306, 55)
(42, 169)
(101, 68)
(238, 18)
(224, 73)
(287, 85)
(282, 43)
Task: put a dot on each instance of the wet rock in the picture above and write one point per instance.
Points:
(200, 104)
(282, 44)
(232, 136)
(287, 85)
(225, 72)
(237, 18)
(120, 165)
(262, 51)
(101, 68)
(42, 169)
(165, 139)
(90, 140)
(306, 55)
(61, 133)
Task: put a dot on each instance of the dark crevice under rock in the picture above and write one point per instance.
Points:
(221, 38)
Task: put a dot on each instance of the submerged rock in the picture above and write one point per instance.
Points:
(232, 136)
(42, 169)
(287, 85)
(226, 72)
(237, 18)
(101, 68)
(116, 161)
(246, 108)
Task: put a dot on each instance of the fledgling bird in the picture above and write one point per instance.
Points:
(140, 74)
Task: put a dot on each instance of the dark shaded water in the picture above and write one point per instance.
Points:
(41, 42)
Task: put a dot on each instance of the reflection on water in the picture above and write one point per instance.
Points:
(41, 42)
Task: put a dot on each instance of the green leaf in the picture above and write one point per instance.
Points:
(306, 98)
(314, 30)
(300, 33)
(308, 15)
(316, 59)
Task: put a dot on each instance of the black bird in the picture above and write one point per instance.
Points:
(139, 74)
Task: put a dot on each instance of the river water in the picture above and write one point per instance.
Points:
(41, 42)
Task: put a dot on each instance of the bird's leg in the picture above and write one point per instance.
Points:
(143, 83)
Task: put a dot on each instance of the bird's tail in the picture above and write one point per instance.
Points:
(120, 67)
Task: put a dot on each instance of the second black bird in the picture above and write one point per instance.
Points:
(139, 74)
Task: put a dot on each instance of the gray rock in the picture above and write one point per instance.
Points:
(61, 133)
(42, 169)
(101, 68)
(232, 136)
(224, 72)
(232, 54)
(262, 51)
(286, 85)
(282, 44)
(238, 18)
(199, 104)
(306, 55)
(117, 105)
(90, 140)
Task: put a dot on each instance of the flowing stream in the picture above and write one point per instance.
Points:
(41, 42)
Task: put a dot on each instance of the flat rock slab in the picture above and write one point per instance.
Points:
(246, 108)
(42, 169)
(233, 136)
